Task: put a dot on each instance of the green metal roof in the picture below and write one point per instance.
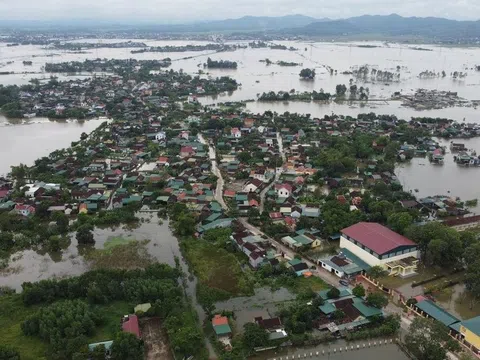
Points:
(222, 329)
(213, 217)
(343, 293)
(107, 344)
(473, 325)
(327, 308)
(354, 258)
(436, 312)
(364, 309)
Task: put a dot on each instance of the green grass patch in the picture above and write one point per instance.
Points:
(121, 255)
(12, 314)
(313, 282)
(112, 314)
(215, 267)
(114, 241)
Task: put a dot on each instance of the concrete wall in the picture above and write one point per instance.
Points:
(369, 258)
(329, 269)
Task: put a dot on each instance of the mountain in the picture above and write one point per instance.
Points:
(246, 23)
(256, 23)
(393, 25)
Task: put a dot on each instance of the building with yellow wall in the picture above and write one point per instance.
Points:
(470, 330)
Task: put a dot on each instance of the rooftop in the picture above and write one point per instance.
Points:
(437, 312)
(473, 325)
(376, 237)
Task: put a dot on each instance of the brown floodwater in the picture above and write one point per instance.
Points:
(326, 351)
(36, 138)
(31, 265)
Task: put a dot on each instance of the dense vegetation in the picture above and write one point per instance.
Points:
(221, 64)
(77, 298)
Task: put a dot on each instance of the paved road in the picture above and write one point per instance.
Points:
(216, 171)
(324, 275)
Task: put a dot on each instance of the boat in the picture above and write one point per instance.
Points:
(29, 116)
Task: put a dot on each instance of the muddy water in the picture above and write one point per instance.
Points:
(449, 179)
(36, 138)
(264, 303)
(326, 351)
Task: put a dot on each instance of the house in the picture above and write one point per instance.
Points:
(463, 223)
(163, 161)
(341, 266)
(252, 185)
(259, 174)
(273, 326)
(222, 329)
(106, 344)
(130, 324)
(377, 245)
(236, 133)
(161, 136)
(470, 332)
(25, 210)
(248, 122)
(83, 208)
(186, 151)
(283, 190)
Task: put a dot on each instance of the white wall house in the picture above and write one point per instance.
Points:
(376, 244)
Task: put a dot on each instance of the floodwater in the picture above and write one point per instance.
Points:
(448, 179)
(256, 77)
(263, 303)
(326, 351)
(30, 265)
(36, 138)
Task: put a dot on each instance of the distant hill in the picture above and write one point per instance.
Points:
(246, 23)
(256, 23)
(393, 25)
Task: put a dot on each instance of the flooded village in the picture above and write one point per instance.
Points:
(188, 217)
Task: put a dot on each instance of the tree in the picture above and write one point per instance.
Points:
(399, 222)
(333, 293)
(8, 353)
(85, 235)
(307, 73)
(359, 290)
(446, 250)
(338, 314)
(61, 220)
(377, 300)
(254, 336)
(340, 90)
(424, 339)
(126, 346)
(472, 281)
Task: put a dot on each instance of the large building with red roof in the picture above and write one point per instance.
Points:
(376, 244)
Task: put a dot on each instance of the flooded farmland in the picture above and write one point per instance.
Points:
(31, 265)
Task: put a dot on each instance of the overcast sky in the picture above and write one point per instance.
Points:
(189, 10)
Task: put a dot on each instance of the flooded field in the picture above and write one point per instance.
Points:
(38, 137)
(326, 351)
(264, 303)
(30, 265)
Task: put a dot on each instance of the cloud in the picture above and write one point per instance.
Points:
(189, 10)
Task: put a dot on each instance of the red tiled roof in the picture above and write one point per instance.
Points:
(275, 215)
(219, 320)
(376, 237)
(229, 193)
(131, 325)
